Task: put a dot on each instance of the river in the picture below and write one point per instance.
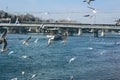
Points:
(91, 58)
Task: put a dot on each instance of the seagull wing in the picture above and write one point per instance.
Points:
(84, 1)
(27, 40)
(4, 45)
(92, 0)
(91, 8)
(49, 42)
(87, 15)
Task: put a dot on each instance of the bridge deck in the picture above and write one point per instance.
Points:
(61, 25)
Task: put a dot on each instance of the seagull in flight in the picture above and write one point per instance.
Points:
(33, 76)
(3, 41)
(50, 41)
(72, 59)
(25, 42)
(64, 37)
(11, 52)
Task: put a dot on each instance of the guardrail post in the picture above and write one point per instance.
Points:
(95, 32)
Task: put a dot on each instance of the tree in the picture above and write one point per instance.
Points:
(5, 15)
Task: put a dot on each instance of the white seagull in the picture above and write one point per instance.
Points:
(33, 76)
(11, 52)
(3, 41)
(36, 40)
(25, 42)
(72, 59)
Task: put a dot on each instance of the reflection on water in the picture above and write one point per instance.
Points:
(91, 59)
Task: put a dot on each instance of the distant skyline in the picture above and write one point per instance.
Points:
(107, 10)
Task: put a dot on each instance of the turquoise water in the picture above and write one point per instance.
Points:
(95, 58)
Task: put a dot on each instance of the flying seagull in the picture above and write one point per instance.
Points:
(50, 40)
(25, 42)
(72, 59)
(3, 41)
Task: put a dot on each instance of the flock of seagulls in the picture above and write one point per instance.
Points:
(51, 40)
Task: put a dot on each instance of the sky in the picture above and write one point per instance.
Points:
(107, 11)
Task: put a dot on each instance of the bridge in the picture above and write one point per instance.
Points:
(79, 26)
(63, 25)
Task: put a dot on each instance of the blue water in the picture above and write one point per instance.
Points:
(95, 58)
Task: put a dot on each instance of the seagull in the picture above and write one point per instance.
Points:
(33, 76)
(72, 59)
(88, 1)
(36, 40)
(11, 52)
(14, 79)
(57, 37)
(50, 41)
(4, 48)
(25, 42)
(3, 41)
(93, 10)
